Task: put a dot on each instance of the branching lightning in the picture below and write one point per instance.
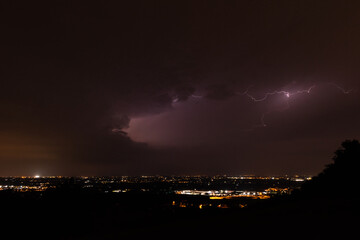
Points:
(286, 94)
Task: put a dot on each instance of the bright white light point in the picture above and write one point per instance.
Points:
(37, 176)
(287, 94)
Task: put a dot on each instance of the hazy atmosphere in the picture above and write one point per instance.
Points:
(177, 87)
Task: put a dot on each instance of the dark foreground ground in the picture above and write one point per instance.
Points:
(91, 215)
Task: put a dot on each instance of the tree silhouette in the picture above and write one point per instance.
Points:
(339, 176)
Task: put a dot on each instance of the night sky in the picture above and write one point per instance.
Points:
(177, 87)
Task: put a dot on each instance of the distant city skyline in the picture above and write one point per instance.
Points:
(211, 186)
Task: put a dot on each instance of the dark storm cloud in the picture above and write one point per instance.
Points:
(75, 77)
(182, 93)
(219, 92)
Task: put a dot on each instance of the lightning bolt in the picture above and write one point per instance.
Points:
(286, 94)
(340, 88)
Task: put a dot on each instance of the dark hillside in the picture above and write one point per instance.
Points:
(324, 208)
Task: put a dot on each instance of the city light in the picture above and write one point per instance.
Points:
(212, 187)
